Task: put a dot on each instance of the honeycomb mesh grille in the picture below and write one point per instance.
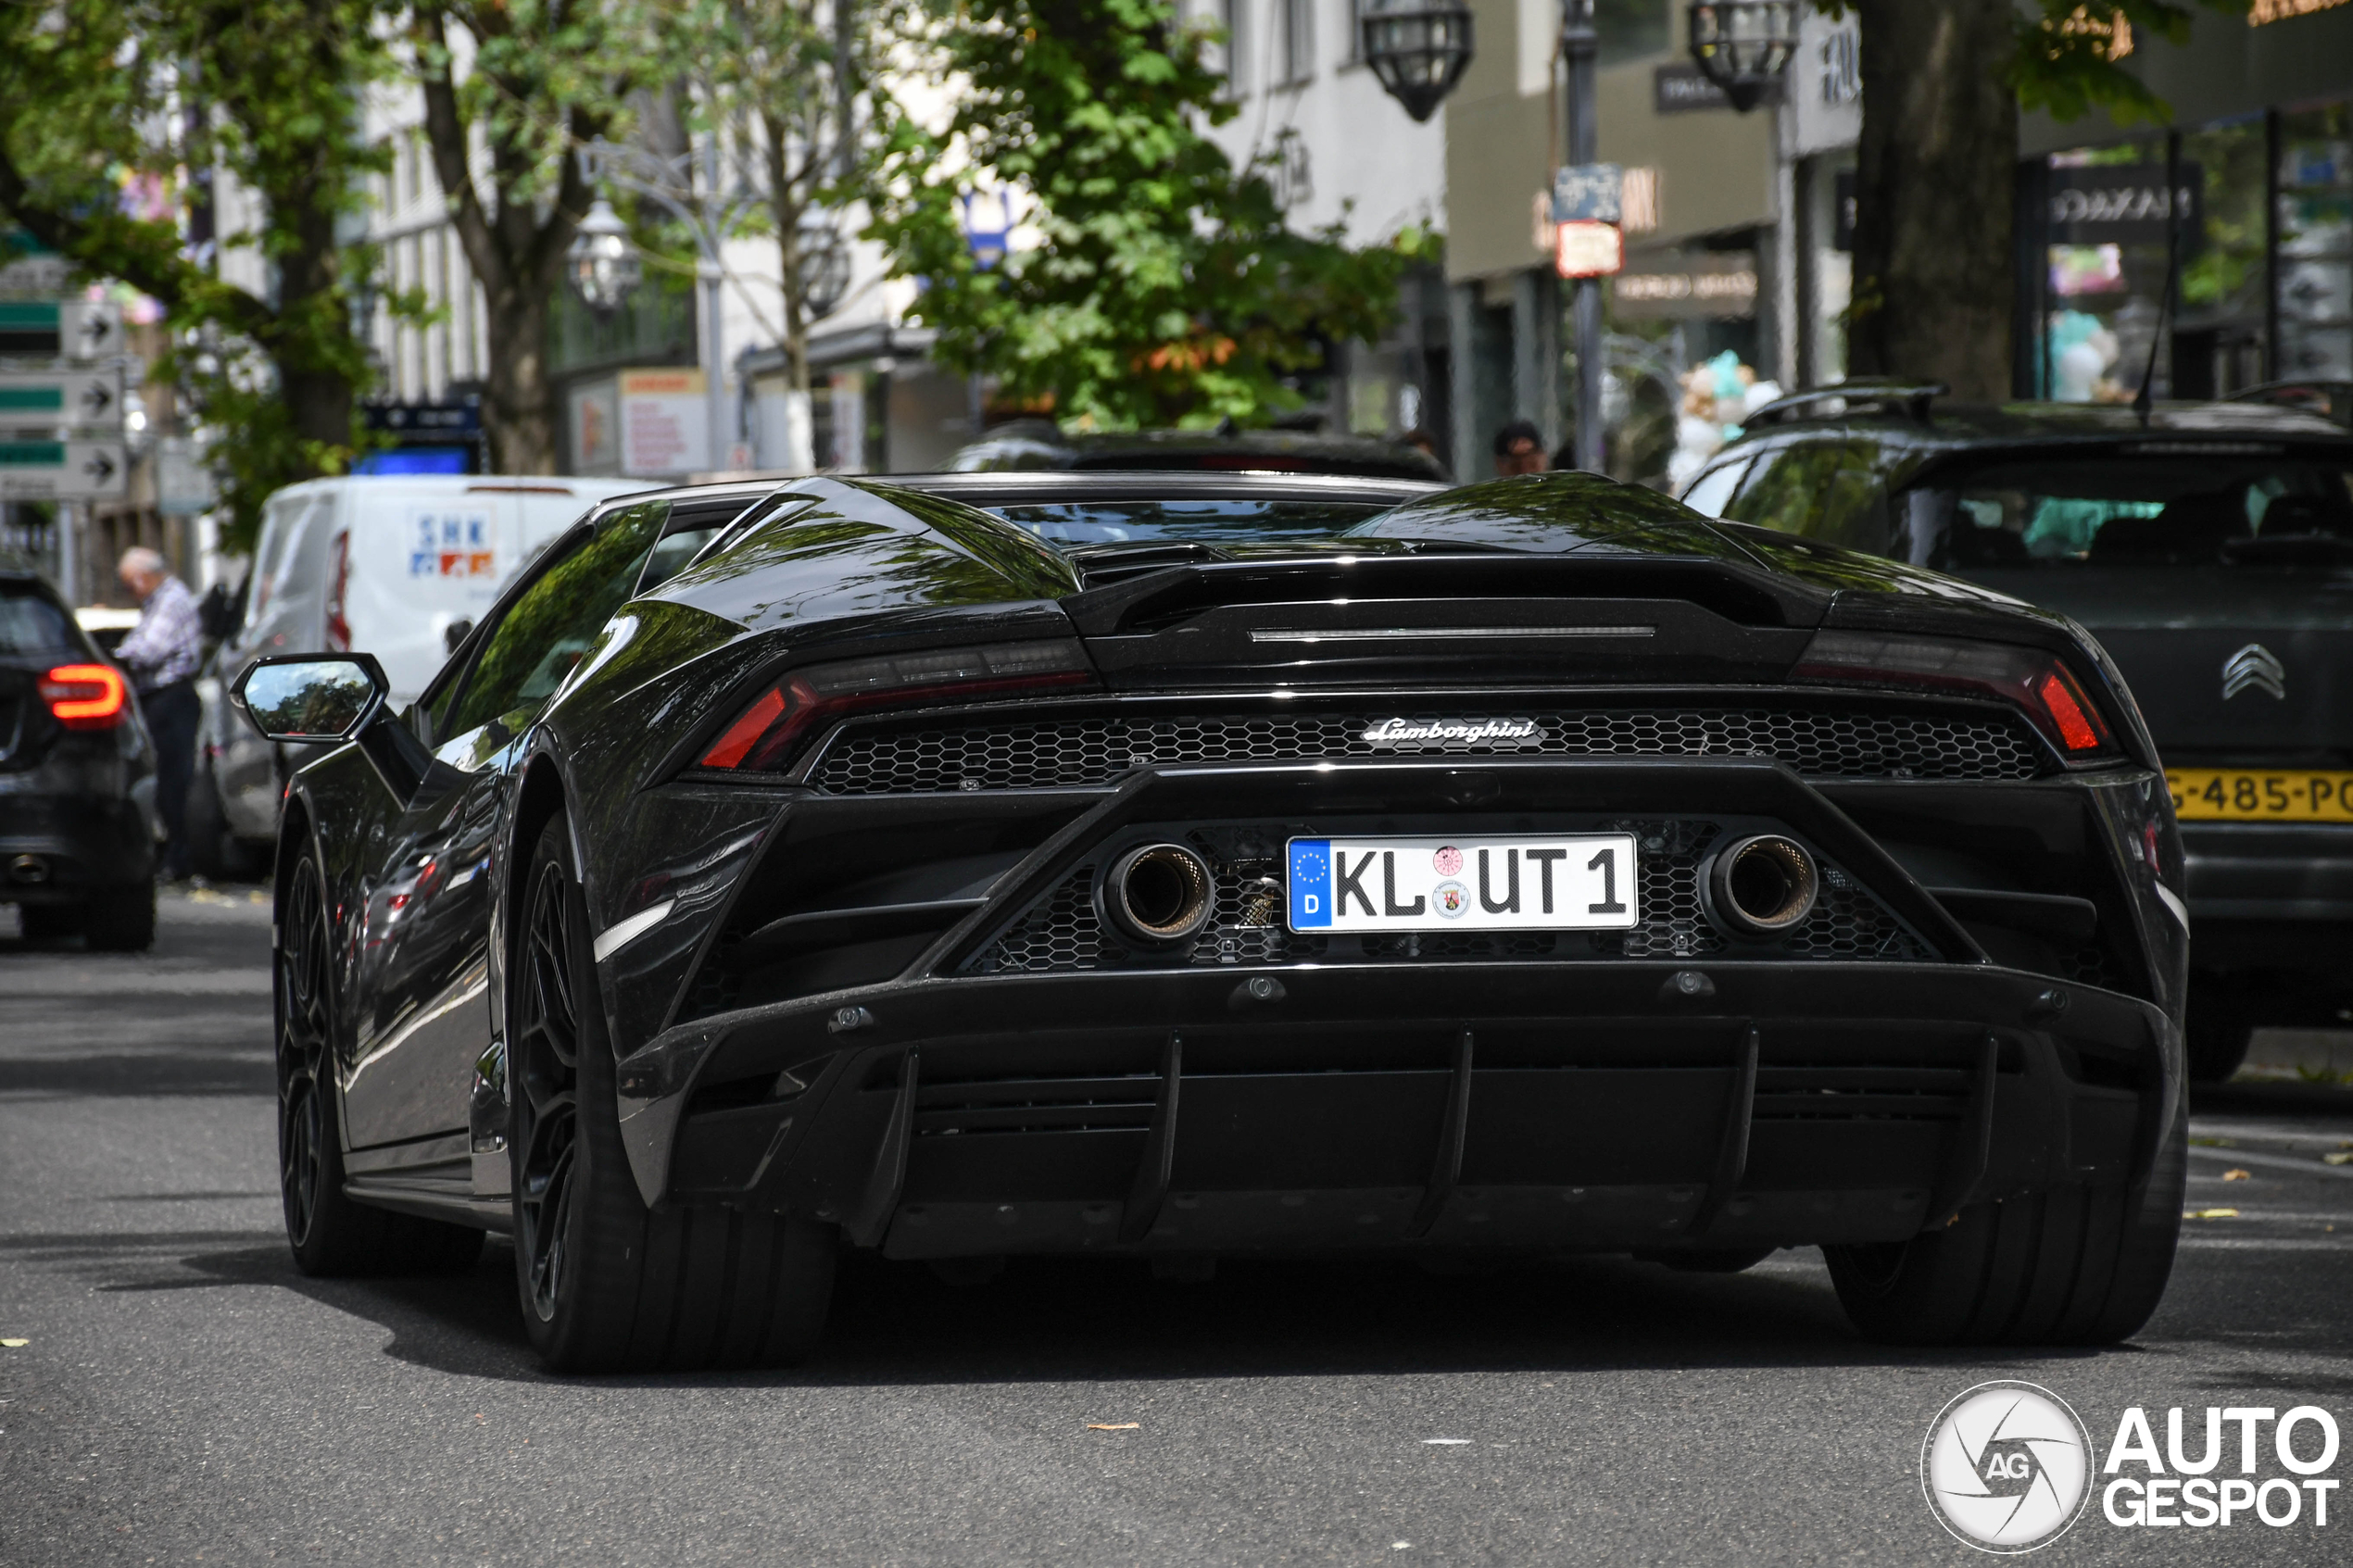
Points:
(1062, 934)
(1040, 753)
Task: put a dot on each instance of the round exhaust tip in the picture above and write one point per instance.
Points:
(28, 870)
(1762, 886)
(1158, 895)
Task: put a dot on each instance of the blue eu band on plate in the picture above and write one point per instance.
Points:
(1534, 883)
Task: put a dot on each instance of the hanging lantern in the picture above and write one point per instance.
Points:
(602, 262)
(1742, 45)
(823, 270)
(1418, 49)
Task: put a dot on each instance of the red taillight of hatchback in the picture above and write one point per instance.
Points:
(86, 696)
(2033, 681)
(766, 733)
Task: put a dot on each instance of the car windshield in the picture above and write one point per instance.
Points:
(30, 623)
(2186, 512)
(1235, 521)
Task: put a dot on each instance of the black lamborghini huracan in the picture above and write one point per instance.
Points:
(1184, 865)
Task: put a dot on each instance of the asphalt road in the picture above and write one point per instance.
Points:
(182, 1394)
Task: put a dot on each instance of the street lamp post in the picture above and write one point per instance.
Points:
(710, 214)
(1742, 45)
(1578, 43)
(602, 262)
(1419, 50)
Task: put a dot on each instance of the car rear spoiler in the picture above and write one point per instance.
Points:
(1743, 594)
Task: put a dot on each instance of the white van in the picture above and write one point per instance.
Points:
(396, 565)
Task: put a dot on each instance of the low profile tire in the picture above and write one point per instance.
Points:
(2077, 1265)
(1710, 1260)
(216, 853)
(2216, 1035)
(121, 920)
(50, 923)
(606, 1283)
(330, 1234)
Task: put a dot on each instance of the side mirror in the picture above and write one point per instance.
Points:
(311, 697)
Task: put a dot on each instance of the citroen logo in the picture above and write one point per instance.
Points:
(2255, 666)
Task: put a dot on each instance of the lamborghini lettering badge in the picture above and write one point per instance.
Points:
(1410, 735)
(2255, 666)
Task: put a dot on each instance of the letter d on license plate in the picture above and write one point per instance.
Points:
(1581, 882)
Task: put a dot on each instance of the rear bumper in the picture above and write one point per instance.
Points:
(1606, 1107)
(80, 843)
(2263, 872)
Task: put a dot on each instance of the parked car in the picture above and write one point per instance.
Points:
(77, 778)
(1031, 445)
(398, 567)
(1527, 866)
(2209, 549)
(2329, 399)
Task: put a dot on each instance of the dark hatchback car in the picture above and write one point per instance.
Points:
(1030, 444)
(77, 779)
(2210, 551)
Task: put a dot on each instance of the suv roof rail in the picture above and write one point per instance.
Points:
(1909, 398)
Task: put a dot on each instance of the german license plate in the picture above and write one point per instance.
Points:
(1537, 883)
(2251, 795)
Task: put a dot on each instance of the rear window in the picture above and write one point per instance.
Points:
(2187, 512)
(1076, 523)
(30, 623)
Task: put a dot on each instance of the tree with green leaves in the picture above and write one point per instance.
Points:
(1163, 286)
(782, 82)
(512, 90)
(1942, 84)
(99, 95)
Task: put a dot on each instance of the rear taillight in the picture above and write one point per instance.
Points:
(2035, 682)
(765, 734)
(338, 579)
(86, 696)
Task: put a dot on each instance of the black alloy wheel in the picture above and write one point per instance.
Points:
(606, 1282)
(303, 1033)
(546, 1083)
(328, 1233)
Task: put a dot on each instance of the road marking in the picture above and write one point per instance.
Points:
(2279, 1161)
(96, 977)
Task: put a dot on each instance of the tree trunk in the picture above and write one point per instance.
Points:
(520, 417)
(1933, 262)
(318, 392)
(514, 245)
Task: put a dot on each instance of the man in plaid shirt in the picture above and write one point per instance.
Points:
(161, 655)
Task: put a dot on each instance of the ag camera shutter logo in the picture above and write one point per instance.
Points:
(2007, 1467)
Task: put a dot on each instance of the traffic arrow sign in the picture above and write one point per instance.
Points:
(63, 470)
(78, 329)
(47, 400)
(90, 328)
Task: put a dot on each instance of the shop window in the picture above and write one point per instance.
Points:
(2316, 244)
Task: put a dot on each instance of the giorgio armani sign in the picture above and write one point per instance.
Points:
(2122, 203)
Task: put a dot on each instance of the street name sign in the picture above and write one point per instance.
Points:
(47, 399)
(63, 470)
(78, 329)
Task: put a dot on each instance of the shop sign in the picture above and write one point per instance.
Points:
(663, 423)
(1586, 192)
(2123, 204)
(1681, 89)
(1589, 250)
(1720, 284)
(1826, 77)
